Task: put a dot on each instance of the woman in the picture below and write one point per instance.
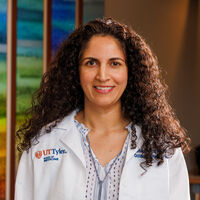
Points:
(100, 125)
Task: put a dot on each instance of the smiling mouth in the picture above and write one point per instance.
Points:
(103, 87)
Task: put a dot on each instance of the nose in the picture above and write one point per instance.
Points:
(102, 73)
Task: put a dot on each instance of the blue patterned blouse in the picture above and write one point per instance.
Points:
(102, 182)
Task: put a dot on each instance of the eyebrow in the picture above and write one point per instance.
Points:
(117, 58)
(92, 58)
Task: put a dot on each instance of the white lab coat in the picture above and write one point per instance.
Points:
(55, 169)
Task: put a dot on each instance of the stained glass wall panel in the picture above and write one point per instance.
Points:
(3, 28)
(29, 54)
(63, 21)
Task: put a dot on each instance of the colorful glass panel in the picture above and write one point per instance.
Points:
(29, 55)
(3, 28)
(63, 21)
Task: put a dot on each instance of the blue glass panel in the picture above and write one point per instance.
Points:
(63, 20)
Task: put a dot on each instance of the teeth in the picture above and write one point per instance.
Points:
(103, 88)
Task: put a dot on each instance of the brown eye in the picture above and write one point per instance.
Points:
(90, 63)
(115, 63)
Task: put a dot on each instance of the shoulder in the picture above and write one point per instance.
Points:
(176, 156)
(61, 129)
(172, 156)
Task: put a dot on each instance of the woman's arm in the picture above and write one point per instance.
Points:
(25, 180)
(178, 177)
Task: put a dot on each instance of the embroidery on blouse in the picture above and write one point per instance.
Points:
(105, 179)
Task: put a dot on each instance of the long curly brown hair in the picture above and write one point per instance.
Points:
(144, 101)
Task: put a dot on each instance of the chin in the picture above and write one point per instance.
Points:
(104, 103)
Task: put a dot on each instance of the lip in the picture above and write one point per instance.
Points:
(103, 86)
(103, 91)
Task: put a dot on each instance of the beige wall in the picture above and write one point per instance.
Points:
(172, 29)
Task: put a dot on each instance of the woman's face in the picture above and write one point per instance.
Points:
(103, 71)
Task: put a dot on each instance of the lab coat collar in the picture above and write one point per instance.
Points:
(73, 140)
(67, 121)
(72, 137)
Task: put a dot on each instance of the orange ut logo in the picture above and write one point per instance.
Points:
(38, 154)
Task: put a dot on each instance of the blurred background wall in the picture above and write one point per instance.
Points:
(172, 29)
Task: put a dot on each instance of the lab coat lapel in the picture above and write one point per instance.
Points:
(73, 141)
(72, 137)
(131, 152)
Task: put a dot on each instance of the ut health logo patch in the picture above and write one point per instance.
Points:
(38, 154)
(49, 154)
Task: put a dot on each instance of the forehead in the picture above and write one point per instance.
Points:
(103, 46)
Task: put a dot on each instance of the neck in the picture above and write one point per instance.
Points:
(101, 118)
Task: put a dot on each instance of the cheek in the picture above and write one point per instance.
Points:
(122, 78)
(85, 77)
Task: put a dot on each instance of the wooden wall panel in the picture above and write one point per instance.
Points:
(46, 34)
(79, 13)
(11, 97)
